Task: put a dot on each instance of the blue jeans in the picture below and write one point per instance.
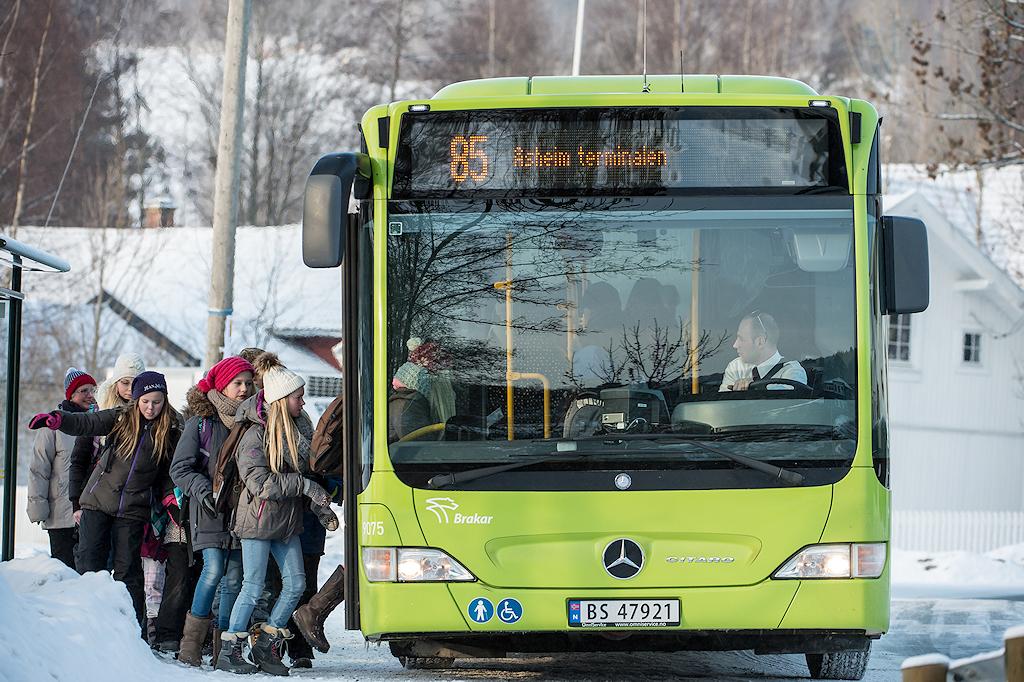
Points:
(255, 553)
(214, 569)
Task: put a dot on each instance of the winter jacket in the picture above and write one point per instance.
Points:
(270, 506)
(50, 475)
(408, 410)
(121, 487)
(192, 470)
(83, 459)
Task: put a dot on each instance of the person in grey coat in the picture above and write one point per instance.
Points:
(49, 503)
(272, 459)
(213, 402)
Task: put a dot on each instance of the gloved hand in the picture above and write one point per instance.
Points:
(316, 494)
(50, 420)
(208, 504)
(175, 514)
(328, 519)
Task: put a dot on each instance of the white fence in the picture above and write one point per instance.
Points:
(970, 531)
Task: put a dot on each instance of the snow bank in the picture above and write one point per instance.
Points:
(999, 573)
(58, 624)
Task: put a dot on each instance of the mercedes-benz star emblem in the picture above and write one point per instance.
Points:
(623, 558)
(623, 481)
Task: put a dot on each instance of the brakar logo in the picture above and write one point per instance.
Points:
(441, 506)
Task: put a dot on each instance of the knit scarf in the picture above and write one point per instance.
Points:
(303, 442)
(225, 406)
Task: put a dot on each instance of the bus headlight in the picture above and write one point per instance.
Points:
(847, 560)
(412, 564)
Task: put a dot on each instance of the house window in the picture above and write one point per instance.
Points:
(323, 387)
(899, 338)
(972, 348)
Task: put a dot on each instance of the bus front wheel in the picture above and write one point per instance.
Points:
(425, 662)
(838, 665)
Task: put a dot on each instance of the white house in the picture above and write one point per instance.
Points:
(956, 400)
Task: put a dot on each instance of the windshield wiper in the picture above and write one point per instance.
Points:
(785, 432)
(785, 475)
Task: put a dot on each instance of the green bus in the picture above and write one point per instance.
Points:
(614, 367)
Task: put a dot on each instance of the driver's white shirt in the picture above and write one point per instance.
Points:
(737, 369)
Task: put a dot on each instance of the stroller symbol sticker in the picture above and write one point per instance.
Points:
(509, 611)
(480, 610)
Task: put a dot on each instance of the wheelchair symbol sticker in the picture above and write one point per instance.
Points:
(480, 610)
(509, 611)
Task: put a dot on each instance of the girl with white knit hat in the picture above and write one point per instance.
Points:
(117, 389)
(273, 460)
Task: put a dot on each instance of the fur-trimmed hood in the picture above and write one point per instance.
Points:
(198, 405)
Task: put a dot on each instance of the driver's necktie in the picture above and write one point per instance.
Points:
(756, 374)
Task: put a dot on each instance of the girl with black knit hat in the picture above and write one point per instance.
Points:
(50, 472)
(272, 459)
(213, 402)
(130, 473)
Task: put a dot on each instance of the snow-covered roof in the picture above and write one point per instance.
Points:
(988, 203)
(964, 208)
(163, 276)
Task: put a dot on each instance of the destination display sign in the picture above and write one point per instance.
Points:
(618, 151)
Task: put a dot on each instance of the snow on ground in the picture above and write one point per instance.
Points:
(999, 573)
(55, 622)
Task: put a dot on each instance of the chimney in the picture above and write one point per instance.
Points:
(159, 213)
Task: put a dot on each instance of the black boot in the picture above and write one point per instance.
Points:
(231, 658)
(269, 649)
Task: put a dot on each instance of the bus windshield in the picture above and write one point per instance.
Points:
(621, 333)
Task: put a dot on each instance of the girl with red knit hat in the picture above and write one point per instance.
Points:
(212, 403)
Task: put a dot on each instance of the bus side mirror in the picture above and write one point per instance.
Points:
(325, 205)
(905, 254)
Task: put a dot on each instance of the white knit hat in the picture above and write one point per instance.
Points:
(128, 365)
(280, 382)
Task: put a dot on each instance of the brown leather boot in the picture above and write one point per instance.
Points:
(190, 651)
(310, 617)
(216, 646)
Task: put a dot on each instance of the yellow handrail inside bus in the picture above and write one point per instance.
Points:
(422, 431)
(511, 375)
(695, 315)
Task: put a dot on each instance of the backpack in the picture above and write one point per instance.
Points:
(227, 484)
(325, 449)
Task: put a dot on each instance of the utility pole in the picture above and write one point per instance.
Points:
(577, 48)
(225, 193)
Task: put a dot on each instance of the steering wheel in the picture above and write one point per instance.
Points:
(799, 388)
(425, 430)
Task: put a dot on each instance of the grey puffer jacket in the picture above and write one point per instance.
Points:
(49, 477)
(193, 467)
(270, 505)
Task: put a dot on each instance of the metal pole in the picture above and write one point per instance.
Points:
(578, 43)
(11, 414)
(225, 197)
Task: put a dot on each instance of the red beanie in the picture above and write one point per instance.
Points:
(74, 379)
(222, 374)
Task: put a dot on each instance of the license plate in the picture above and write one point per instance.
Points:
(644, 613)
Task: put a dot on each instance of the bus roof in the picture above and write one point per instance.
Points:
(588, 85)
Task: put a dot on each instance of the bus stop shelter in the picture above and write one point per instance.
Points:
(15, 259)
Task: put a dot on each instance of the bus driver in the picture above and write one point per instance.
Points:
(756, 344)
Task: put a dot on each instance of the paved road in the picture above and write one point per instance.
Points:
(956, 628)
